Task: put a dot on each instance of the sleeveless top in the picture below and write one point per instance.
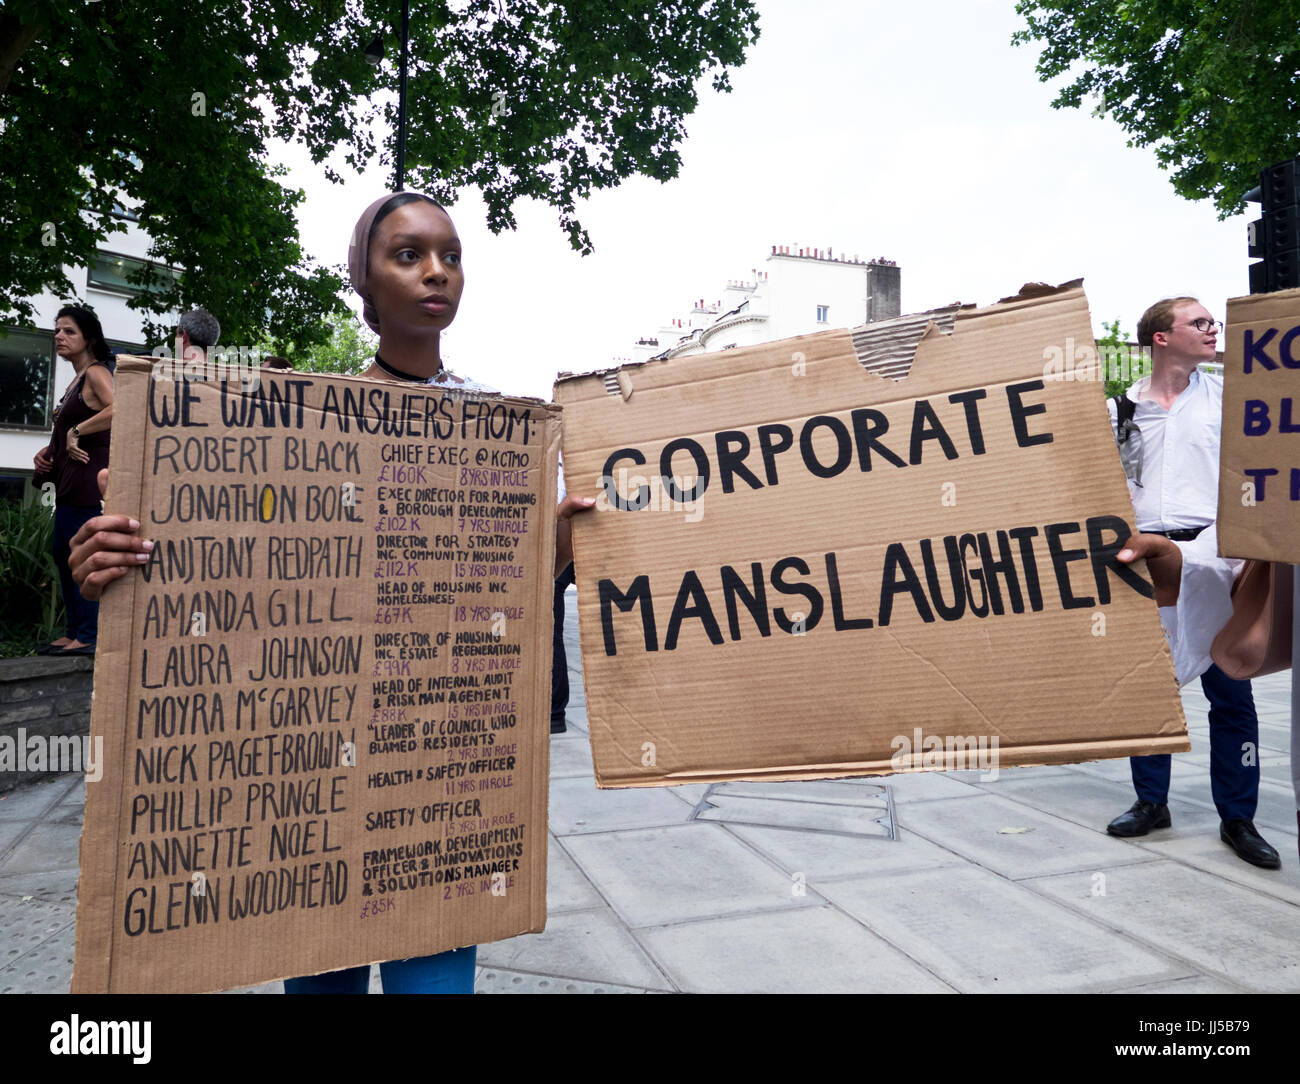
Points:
(76, 484)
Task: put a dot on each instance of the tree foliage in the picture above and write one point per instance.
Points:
(1212, 85)
(348, 347)
(170, 107)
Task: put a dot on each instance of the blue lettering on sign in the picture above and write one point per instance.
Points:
(1253, 352)
(1256, 423)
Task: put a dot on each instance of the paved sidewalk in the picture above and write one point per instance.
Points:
(1011, 885)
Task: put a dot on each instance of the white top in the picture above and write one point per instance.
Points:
(1186, 439)
(447, 379)
(1204, 604)
(1186, 436)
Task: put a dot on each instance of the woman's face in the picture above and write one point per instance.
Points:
(415, 278)
(69, 342)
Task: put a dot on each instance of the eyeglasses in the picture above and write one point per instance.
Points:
(1203, 325)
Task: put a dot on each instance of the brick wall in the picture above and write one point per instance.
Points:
(45, 697)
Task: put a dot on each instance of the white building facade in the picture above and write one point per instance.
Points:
(33, 377)
(798, 291)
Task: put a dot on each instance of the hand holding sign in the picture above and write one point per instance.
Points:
(1164, 560)
(104, 548)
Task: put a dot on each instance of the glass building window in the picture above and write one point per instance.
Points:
(108, 271)
(26, 369)
(823, 313)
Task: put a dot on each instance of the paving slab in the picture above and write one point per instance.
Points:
(981, 933)
(811, 950)
(663, 875)
(567, 888)
(1116, 770)
(45, 969)
(49, 886)
(1206, 851)
(822, 856)
(1213, 925)
(12, 831)
(1051, 844)
(32, 800)
(570, 756)
(1276, 809)
(49, 846)
(1193, 984)
(27, 925)
(579, 806)
(1090, 801)
(591, 945)
(975, 778)
(927, 786)
(498, 981)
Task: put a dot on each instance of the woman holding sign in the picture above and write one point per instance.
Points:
(405, 263)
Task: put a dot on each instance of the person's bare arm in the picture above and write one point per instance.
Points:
(97, 391)
(568, 508)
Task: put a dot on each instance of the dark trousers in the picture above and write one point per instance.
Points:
(559, 661)
(83, 615)
(1233, 726)
(446, 973)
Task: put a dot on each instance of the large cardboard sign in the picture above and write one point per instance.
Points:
(798, 569)
(325, 699)
(1259, 459)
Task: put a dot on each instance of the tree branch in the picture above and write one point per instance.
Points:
(15, 38)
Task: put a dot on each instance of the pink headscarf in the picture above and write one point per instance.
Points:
(359, 252)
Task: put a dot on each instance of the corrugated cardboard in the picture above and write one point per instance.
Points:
(367, 596)
(846, 677)
(1259, 459)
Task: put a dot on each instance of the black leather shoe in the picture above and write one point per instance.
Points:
(1139, 820)
(1250, 846)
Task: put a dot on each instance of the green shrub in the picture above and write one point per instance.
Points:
(29, 583)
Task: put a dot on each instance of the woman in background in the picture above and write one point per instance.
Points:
(71, 462)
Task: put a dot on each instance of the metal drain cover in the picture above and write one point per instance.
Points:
(841, 807)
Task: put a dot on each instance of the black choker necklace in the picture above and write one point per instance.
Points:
(391, 371)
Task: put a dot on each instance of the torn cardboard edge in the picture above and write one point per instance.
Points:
(1019, 756)
(621, 375)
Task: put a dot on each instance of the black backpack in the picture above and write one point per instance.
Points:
(1125, 408)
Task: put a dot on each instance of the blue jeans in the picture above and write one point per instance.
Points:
(83, 615)
(446, 973)
(1233, 723)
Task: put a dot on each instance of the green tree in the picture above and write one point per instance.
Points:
(169, 108)
(348, 348)
(1213, 85)
(1121, 364)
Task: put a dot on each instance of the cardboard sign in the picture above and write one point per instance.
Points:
(324, 701)
(1259, 459)
(798, 569)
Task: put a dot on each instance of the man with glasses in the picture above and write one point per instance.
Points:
(1168, 428)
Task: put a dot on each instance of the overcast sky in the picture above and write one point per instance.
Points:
(914, 132)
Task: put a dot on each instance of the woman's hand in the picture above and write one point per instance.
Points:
(1164, 560)
(75, 453)
(568, 508)
(44, 461)
(104, 549)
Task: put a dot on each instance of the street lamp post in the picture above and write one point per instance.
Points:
(401, 96)
(374, 55)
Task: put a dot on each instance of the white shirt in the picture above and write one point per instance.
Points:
(1186, 440)
(1187, 437)
(1204, 604)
